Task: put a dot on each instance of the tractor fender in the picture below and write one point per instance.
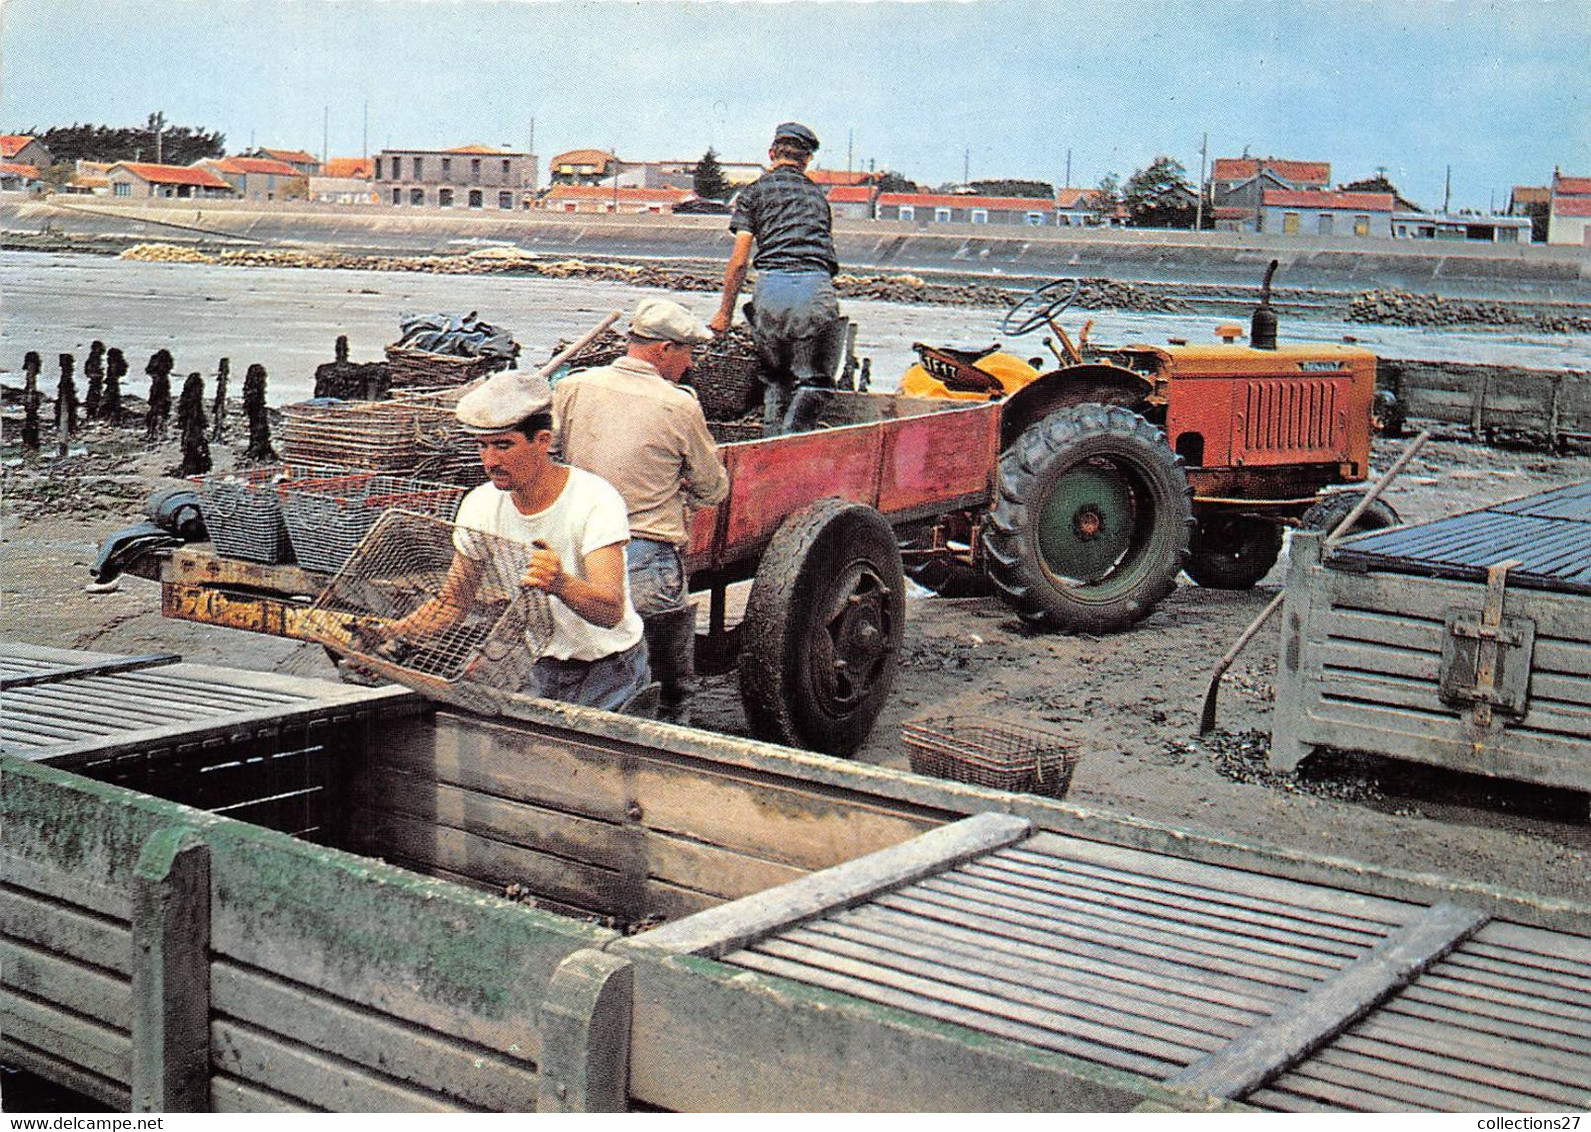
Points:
(1061, 388)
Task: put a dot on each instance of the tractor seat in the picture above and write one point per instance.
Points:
(959, 353)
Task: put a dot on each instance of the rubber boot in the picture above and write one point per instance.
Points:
(671, 641)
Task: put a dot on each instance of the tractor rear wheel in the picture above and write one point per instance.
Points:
(820, 639)
(1330, 510)
(1233, 552)
(1091, 520)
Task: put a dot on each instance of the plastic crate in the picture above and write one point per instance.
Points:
(993, 753)
(327, 518)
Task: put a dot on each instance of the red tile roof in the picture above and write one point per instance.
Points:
(173, 174)
(1531, 194)
(1359, 202)
(239, 165)
(347, 167)
(1296, 172)
(839, 177)
(1572, 206)
(293, 155)
(597, 157)
(19, 169)
(486, 149)
(849, 194)
(953, 200)
(606, 193)
(13, 144)
(1571, 186)
(1233, 212)
(1076, 198)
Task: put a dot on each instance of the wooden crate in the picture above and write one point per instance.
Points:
(1380, 660)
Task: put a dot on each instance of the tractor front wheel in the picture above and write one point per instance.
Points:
(1330, 510)
(1233, 552)
(1091, 520)
(820, 639)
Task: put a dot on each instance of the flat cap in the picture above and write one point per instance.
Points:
(502, 401)
(796, 132)
(666, 321)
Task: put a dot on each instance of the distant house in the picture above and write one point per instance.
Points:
(259, 178)
(1077, 208)
(940, 208)
(1238, 185)
(88, 178)
(833, 177)
(24, 149)
(582, 167)
(1292, 212)
(1525, 197)
(141, 180)
(611, 198)
(345, 180)
(1476, 228)
(851, 202)
(680, 174)
(1569, 211)
(467, 176)
(305, 163)
(19, 177)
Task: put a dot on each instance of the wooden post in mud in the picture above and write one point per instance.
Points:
(30, 402)
(192, 428)
(65, 404)
(94, 371)
(159, 371)
(223, 371)
(259, 447)
(115, 369)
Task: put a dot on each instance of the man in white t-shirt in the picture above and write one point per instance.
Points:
(577, 523)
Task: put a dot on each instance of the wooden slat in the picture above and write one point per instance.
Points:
(983, 916)
(1459, 1093)
(1443, 978)
(1105, 988)
(723, 929)
(1471, 1002)
(1278, 957)
(72, 932)
(1555, 950)
(1063, 1007)
(1073, 1042)
(94, 1048)
(391, 1046)
(1396, 1029)
(1291, 1034)
(54, 978)
(1457, 1017)
(113, 1094)
(311, 1076)
(1294, 932)
(498, 864)
(1223, 995)
(1345, 1096)
(1239, 905)
(1445, 1061)
(1544, 979)
(1556, 615)
(1296, 893)
(228, 1094)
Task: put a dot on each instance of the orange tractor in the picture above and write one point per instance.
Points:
(1121, 467)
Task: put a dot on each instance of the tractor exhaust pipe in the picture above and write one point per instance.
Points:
(1262, 327)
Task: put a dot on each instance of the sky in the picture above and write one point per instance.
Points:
(1499, 91)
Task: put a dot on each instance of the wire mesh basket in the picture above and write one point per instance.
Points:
(416, 436)
(408, 367)
(993, 753)
(327, 518)
(437, 608)
(243, 511)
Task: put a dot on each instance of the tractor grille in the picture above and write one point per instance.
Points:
(1293, 416)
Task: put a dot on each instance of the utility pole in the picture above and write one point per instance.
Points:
(1198, 208)
(1447, 190)
(615, 155)
(530, 155)
(966, 166)
(1068, 166)
(364, 143)
(848, 139)
(325, 132)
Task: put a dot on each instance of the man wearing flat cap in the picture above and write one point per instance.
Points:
(578, 526)
(634, 425)
(794, 313)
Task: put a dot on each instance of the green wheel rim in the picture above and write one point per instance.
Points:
(1087, 523)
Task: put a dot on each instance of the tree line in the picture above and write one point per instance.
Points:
(88, 141)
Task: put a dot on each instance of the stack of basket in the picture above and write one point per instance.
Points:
(243, 511)
(408, 368)
(420, 437)
(326, 518)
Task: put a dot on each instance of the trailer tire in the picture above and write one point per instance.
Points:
(1091, 520)
(1233, 552)
(1326, 513)
(820, 639)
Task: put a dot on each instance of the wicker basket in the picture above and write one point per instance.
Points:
(421, 369)
(327, 518)
(243, 511)
(988, 752)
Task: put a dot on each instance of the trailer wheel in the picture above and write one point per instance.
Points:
(1233, 552)
(1330, 510)
(1091, 520)
(820, 639)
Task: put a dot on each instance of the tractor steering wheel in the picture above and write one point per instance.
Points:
(1036, 308)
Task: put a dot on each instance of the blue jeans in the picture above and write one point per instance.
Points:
(608, 682)
(660, 594)
(795, 315)
(657, 576)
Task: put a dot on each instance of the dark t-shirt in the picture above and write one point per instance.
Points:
(790, 219)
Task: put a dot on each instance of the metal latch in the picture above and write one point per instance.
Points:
(1486, 659)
